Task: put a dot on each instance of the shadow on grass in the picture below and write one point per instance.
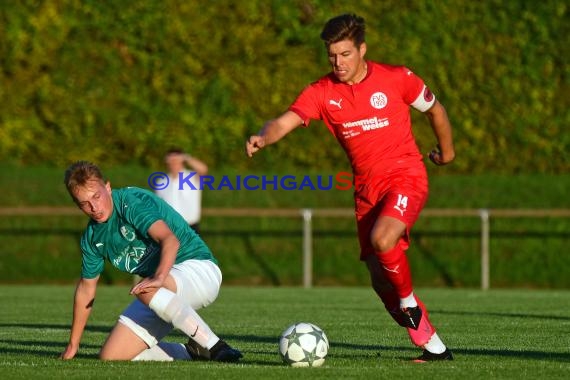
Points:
(46, 348)
(49, 348)
(518, 354)
(506, 315)
(39, 348)
(42, 326)
(376, 350)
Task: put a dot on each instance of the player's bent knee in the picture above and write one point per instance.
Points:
(383, 244)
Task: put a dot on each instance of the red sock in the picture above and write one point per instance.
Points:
(397, 270)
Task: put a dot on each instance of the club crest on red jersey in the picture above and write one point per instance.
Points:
(378, 100)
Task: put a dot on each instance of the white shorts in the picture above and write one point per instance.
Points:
(197, 283)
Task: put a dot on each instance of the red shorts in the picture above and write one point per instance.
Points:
(401, 195)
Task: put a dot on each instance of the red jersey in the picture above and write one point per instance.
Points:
(370, 119)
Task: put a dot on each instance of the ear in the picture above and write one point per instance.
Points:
(108, 187)
(362, 49)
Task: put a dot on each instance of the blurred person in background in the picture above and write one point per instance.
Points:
(187, 201)
(139, 233)
(366, 106)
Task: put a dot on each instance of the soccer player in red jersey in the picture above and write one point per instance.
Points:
(366, 106)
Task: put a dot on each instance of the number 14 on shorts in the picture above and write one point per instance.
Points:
(401, 204)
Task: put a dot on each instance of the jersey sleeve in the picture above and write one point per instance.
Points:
(415, 92)
(92, 263)
(307, 104)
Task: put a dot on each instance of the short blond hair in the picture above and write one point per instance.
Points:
(81, 172)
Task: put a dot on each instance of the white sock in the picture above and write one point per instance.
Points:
(172, 309)
(435, 345)
(164, 352)
(409, 301)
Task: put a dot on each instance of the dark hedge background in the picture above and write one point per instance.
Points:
(122, 81)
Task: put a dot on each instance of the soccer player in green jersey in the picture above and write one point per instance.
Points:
(139, 233)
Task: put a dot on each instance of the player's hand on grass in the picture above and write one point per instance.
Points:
(253, 144)
(69, 352)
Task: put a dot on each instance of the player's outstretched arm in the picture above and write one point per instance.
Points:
(82, 306)
(273, 131)
(445, 152)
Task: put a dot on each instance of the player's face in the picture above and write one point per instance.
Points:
(94, 199)
(347, 61)
(175, 162)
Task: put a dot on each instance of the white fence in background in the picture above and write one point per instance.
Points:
(307, 215)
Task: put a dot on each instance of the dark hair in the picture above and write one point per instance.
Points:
(174, 150)
(81, 172)
(343, 27)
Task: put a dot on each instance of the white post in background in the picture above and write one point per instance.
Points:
(307, 247)
(484, 215)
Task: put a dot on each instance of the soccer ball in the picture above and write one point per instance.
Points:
(303, 345)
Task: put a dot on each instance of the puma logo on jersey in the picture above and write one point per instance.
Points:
(335, 103)
(399, 209)
(395, 270)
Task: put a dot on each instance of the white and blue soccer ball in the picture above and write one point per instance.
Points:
(303, 344)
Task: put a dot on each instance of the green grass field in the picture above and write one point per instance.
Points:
(499, 334)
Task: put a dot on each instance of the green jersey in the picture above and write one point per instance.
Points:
(123, 239)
